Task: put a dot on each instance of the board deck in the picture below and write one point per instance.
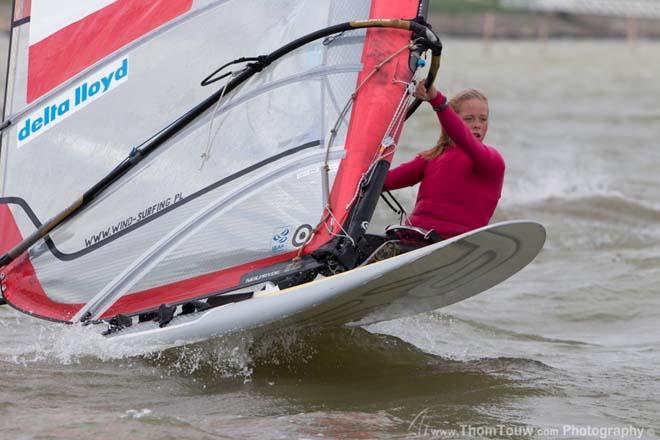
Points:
(422, 280)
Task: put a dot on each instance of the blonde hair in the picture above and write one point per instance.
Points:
(445, 142)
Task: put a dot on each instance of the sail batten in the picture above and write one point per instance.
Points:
(236, 190)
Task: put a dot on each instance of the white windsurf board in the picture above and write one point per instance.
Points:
(426, 279)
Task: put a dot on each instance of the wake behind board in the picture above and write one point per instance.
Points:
(419, 281)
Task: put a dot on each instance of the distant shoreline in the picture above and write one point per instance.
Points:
(511, 25)
(530, 25)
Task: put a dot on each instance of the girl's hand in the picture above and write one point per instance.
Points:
(423, 94)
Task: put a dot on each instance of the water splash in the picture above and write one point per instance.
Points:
(31, 341)
(135, 414)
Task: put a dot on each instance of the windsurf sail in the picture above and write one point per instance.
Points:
(217, 187)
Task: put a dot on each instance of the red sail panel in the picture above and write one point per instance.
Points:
(79, 45)
(10, 236)
(22, 278)
(190, 288)
(372, 110)
(32, 298)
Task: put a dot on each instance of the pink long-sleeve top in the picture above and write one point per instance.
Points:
(460, 188)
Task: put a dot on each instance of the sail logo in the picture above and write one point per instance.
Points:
(65, 104)
(283, 239)
(280, 238)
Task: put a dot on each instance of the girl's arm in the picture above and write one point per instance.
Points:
(407, 174)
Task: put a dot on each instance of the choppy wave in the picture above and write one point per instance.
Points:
(605, 221)
(611, 207)
(513, 335)
(525, 190)
(249, 357)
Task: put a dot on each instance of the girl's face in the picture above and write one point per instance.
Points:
(475, 114)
